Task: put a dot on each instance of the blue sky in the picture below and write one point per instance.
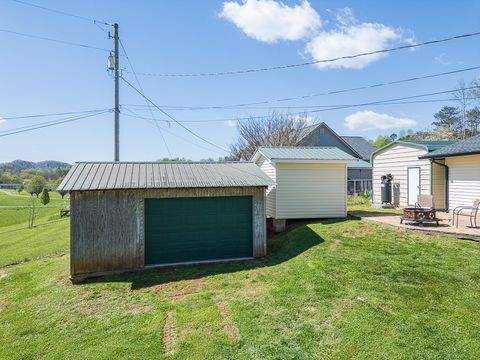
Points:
(191, 36)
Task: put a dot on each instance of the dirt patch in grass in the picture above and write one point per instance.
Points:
(180, 290)
(340, 308)
(170, 333)
(334, 244)
(231, 330)
(3, 275)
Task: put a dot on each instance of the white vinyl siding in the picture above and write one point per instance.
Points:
(311, 191)
(464, 180)
(267, 167)
(396, 160)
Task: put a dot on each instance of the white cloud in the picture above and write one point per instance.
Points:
(350, 40)
(231, 123)
(2, 120)
(369, 120)
(441, 59)
(271, 21)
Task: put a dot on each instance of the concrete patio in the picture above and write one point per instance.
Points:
(464, 230)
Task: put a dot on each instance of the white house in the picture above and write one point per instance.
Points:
(412, 174)
(310, 182)
(462, 175)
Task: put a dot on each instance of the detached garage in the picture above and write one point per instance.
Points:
(129, 216)
(310, 182)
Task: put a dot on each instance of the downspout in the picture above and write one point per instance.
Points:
(446, 181)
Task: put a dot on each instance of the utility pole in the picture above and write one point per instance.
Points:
(117, 95)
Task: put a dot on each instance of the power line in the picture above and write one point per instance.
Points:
(289, 66)
(393, 101)
(53, 114)
(136, 116)
(146, 102)
(47, 124)
(303, 97)
(313, 106)
(60, 12)
(171, 117)
(53, 40)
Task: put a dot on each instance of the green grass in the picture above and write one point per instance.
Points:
(17, 212)
(359, 205)
(333, 289)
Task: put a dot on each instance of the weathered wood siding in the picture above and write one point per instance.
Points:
(395, 160)
(268, 168)
(108, 231)
(311, 191)
(464, 180)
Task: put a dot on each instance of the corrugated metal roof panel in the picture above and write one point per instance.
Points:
(129, 175)
(360, 165)
(304, 153)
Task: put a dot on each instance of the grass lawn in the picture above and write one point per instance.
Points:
(333, 289)
(359, 205)
(14, 208)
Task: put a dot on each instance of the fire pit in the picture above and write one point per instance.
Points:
(419, 215)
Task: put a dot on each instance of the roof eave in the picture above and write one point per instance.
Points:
(314, 161)
(441, 156)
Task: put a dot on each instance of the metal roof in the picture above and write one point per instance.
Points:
(360, 165)
(360, 145)
(157, 175)
(463, 147)
(431, 145)
(304, 153)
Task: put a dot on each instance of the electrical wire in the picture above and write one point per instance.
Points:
(47, 124)
(290, 66)
(95, 21)
(171, 117)
(53, 114)
(394, 101)
(313, 106)
(148, 120)
(146, 102)
(53, 40)
(303, 97)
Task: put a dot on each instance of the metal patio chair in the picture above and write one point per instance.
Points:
(470, 211)
(425, 202)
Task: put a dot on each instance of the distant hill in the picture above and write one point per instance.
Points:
(18, 165)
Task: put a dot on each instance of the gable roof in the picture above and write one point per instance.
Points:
(468, 146)
(427, 145)
(303, 154)
(157, 175)
(360, 145)
(310, 129)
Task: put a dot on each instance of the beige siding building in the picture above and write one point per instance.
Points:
(462, 159)
(310, 182)
(411, 175)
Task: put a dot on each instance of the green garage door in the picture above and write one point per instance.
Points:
(195, 229)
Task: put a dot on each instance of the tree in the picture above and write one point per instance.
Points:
(35, 185)
(448, 118)
(473, 120)
(462, 95)
(276, 130)
(44, 197)
(33, 213)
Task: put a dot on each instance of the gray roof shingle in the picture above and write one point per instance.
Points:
(463, 147)
(360, 145)
(157, 175)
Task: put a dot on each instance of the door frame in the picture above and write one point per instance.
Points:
(419, 182)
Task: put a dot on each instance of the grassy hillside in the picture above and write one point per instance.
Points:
(330, 290)
(14, 208)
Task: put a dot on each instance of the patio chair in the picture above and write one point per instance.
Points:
(425, 202)
(470, 211)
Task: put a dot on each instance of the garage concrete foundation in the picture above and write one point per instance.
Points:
(279, 225)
